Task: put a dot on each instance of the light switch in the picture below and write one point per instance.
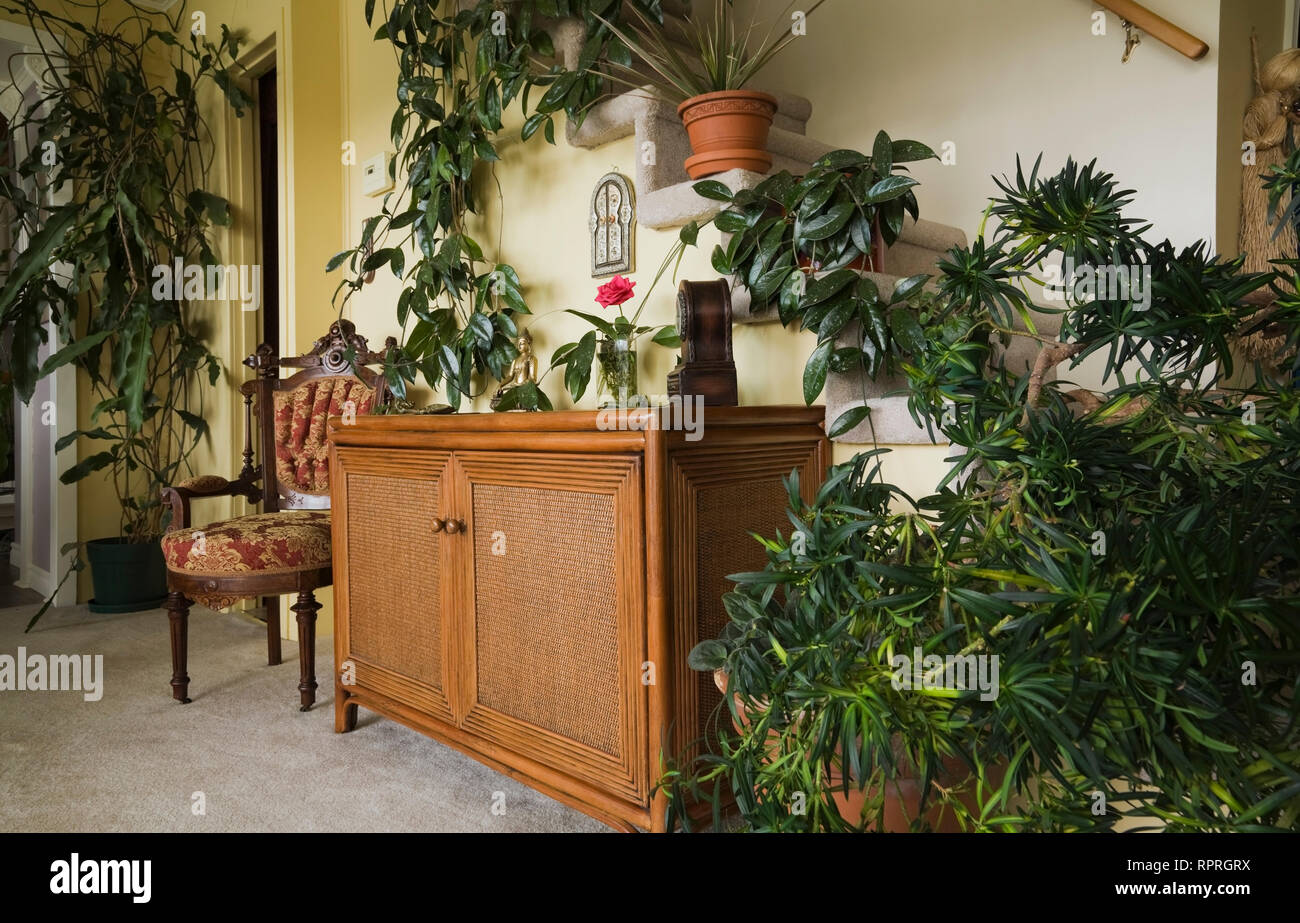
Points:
(374, 175)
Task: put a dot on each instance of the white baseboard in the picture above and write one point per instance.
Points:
(38, 580)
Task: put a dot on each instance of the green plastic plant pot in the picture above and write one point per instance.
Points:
(128, 577)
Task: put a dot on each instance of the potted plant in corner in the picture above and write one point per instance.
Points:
(706, 78)
(111, 201)
(1092, 619)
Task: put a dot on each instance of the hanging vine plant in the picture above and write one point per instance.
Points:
(458, 70)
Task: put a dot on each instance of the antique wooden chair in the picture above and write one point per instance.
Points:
(286, 547)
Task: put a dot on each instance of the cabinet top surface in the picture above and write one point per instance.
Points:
(586, 422)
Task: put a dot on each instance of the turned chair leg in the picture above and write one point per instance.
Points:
(305, 608)
(272, 630)
(178, 615)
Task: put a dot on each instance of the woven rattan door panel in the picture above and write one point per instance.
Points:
(396, 582)
(552, 661)
(717, 501)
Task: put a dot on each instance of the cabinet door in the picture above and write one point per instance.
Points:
(391, 576)
(720, 496)
(553, 641)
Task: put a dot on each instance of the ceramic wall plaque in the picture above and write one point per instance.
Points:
(612, 219)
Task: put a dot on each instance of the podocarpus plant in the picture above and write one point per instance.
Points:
(1127, 555)
(800, 241)
(110, 188)
(458, 69)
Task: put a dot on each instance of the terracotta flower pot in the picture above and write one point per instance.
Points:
(903, 795)
(728, 130)
(903, 792)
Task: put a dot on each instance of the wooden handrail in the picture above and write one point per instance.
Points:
(1157, 26)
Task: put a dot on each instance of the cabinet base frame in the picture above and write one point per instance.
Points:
(616, 814)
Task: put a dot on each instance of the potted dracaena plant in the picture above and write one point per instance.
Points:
(1125, 558)
(121, 196)
(704, 70)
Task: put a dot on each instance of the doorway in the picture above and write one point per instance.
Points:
(268, 194)
(268, 160)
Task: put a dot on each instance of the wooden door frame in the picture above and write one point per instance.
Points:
(244, 186)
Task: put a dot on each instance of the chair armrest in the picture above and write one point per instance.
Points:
(208, 485)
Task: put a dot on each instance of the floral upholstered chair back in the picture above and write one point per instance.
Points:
(295, 454)
(301, 452)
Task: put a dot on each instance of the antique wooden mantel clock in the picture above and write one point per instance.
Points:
(704, 324)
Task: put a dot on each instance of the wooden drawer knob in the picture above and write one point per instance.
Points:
(438, 525)
(453, 526)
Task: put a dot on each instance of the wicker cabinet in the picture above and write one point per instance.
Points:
(526, 587)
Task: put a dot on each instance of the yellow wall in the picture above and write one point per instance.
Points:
(997, 79)
(545, 192)
(1018, 77)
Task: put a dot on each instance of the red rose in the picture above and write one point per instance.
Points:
(614, 292)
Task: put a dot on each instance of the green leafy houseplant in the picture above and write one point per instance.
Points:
(458, 69)
(802, 241)
(1128, 556)
(112, 187)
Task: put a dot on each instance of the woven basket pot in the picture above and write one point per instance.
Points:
(728, 130)
(902, 793)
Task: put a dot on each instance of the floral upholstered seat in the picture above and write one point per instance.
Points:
(267, 543)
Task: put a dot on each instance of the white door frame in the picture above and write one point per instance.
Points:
(62, 514)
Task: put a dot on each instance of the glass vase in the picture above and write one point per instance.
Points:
(617, 385)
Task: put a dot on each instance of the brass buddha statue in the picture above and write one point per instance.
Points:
(522, 371)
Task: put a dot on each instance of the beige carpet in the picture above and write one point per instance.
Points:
(134, 760)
